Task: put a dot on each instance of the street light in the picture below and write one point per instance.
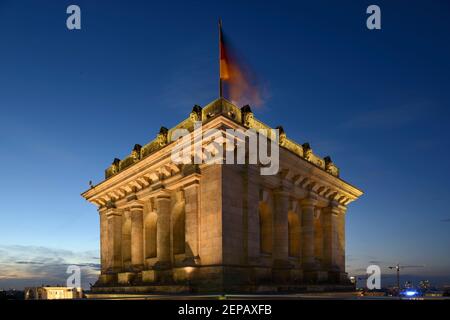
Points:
(188, 273)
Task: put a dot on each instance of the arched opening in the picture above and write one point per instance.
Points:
(265, 228)
(126, 240)
(150, 220)
(294, 234)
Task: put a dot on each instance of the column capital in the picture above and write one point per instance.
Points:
(163, 194)
(190, 184)
(309, 201)
(135, 205)
(342, 209)
(282, 191)
(335, 208)
(110, 212)
(187, 180)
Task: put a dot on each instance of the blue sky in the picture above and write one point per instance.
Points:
(376, 101)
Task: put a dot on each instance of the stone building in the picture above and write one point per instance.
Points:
(167, 227)
(53, 293)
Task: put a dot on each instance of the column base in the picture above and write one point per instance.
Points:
(162, 265)
(281, 271)
(125, 277)
(282, 263)
(105, 279)
(137, 267)
(297, 275)
(189, 261)
(148, 276)
(287, 276)
(338, 277)
(315, 276)
(157, 276)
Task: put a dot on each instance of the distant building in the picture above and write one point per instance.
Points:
(11, 294)
(424, 285)
(53, 293)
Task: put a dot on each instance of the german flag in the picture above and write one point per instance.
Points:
(236, 82)
(224, 68)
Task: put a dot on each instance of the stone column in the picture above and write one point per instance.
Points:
(126, 240)
(330, 237)
(192, 206)
(341, 238)
(114, 217)
(163, 229)
(296, 228)
(318, 237)
(137, 236)
(280, 228)
(308, 258)
(334, 241)
(104, 252)
(251, 210)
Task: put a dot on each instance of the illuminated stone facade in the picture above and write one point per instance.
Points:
(53, 293)
(210, 227)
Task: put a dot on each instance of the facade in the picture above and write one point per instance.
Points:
(53, 293)
(168, 227)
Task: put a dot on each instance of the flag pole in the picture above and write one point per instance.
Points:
(220, 56)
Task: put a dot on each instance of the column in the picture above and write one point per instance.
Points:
(295, 232)
(308, 207)
(104, 258)
(192, 206)
(163, 229)
(137, 236)
(331, 240)
(280, 228)
(126, 240)
(341, 237)
(334, 241)
(251, 211)
(114, 240)
(318, 237)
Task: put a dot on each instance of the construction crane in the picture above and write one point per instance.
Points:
(397, 267)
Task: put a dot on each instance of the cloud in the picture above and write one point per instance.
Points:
(22, 266)
(445, 220)
(29, 262)
(361, 271)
